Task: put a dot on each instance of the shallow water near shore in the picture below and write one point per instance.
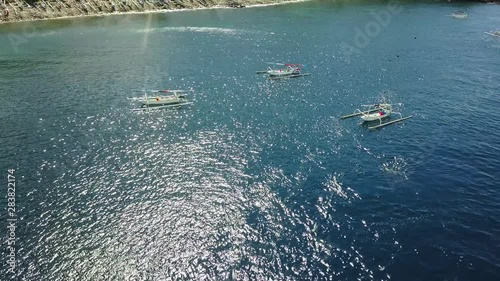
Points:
(257, 180)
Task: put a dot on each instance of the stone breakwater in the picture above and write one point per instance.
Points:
(21, 10)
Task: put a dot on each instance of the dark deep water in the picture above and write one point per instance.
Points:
(258, 180)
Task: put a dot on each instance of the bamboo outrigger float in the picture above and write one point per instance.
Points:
(390, 122)
(377, 112)
(174, 98)
(290, 76)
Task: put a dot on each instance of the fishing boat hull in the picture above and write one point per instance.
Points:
(281, 72)
(459, 16)
(375, 116)
(160, 100)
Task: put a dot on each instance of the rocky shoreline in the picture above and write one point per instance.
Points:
(28, 10)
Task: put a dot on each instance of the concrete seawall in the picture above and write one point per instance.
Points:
(21, 10)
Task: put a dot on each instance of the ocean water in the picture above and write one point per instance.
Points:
(258, 179)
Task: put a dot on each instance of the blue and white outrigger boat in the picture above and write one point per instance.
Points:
(169, 98)
(376, 112)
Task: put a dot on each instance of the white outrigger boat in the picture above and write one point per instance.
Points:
(376, 112)
(495, 33)
(384, 112)
(291, 70)
(174, 98)
(459, 15)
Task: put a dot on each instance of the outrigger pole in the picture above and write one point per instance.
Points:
(390, 122)
(165, 91)
(289, 76)
(148, 108)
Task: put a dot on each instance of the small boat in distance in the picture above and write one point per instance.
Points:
(290, 70)
(459, 15)
(173, 98)
(495, 33)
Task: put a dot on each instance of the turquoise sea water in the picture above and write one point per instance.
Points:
(258, 180)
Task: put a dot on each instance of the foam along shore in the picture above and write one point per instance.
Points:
(21, 10)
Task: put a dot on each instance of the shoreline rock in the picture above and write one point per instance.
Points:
(29, 10)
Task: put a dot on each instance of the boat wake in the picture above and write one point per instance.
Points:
(397, 167)
(212, 30)
(334, 185)
(49, 33)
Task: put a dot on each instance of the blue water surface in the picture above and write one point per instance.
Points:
(258, 179)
